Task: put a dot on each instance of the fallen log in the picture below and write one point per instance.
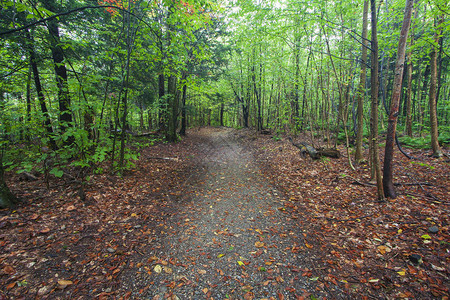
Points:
(329, 152)
(315, 153)
(147, 134)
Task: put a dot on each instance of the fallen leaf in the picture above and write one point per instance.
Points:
(11, 285)
(259, 244)
(168, 270)
(220, 255)
(45, 230)
(70, 208)
(249, 296)
(8, 270)
(157, 269)
(202, 272)
(62, 284)
(205, 290)
(240, 263)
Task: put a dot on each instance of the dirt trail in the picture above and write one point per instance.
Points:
(230, 237)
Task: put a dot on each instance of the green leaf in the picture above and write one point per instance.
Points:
(426, 237)
(57, 172)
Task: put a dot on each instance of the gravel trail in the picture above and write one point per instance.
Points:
(230, 237)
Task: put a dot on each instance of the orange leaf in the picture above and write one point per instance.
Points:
(259, 244)
(11, 285)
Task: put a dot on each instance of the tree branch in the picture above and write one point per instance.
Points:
(78, 9)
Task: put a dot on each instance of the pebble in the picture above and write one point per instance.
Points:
(110, 250)
(433, 229)
(43, 290)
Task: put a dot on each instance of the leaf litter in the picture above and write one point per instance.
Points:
(232, 217)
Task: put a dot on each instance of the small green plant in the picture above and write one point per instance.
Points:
(325, 160)
(276, 138)
(423, 164)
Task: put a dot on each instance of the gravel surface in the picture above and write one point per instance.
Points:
(229, 237)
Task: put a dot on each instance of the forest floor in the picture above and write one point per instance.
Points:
(230, 215)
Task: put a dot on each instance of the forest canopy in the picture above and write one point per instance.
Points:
(81, 80)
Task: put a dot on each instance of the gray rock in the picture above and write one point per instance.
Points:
(433, 229)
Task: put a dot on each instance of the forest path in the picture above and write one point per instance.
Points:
(230, 237)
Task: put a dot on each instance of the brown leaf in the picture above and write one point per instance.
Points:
(259, 244)
(9, 270)
(45, 230)
(64, 283)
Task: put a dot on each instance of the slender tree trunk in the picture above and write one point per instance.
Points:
(183, 107)
(173, 108)
(409, 92)
(40, 93)
(222, 108)
(374, 100)
(258, 101)
(29, 96)
(437, 152)
(409, 69)
(388, 183)
(162, 111)
(362, 85)
(61, 79)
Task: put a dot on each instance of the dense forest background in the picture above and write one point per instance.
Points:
(80, 80)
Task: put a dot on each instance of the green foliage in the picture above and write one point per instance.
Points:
(415, 142)
(422, 164)
(276, 138)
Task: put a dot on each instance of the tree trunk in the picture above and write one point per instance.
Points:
(374, 100)
(172, 99)
(29, 97)
(40, 93)
(388, 184)
(437, 152)
(222, 108)
(61, 79)
(362, 85)
(183, 107)
(409, 69)
(162, 112)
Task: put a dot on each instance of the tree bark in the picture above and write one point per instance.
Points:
(162, 113)
(437, 152)
(40, 93)
(173, 108)
(362, 85)
(183, 107)
(61, 79)
(374, 107)
(388, 184)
